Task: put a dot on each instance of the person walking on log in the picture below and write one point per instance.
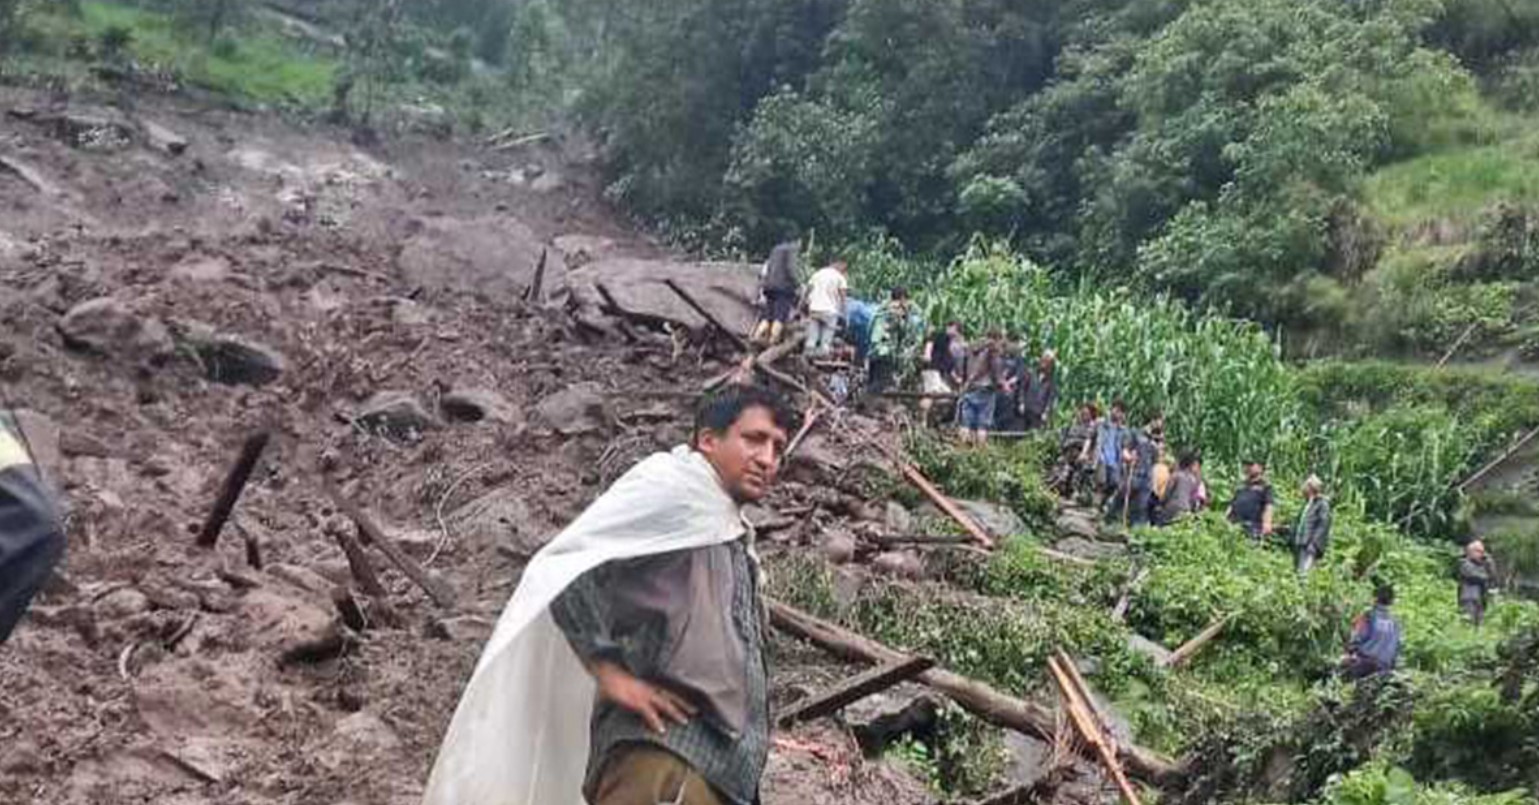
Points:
(777, 289)
(826, 292)
(31, 531)
(629, 666)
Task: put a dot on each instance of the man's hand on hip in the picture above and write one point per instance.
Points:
(655, 705)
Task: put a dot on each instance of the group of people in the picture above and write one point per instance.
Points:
(994, 386)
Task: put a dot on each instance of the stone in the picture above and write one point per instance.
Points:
(1027, 759)
(201, 269)
(1157, 653)
(234, 361)
(361, 737)
(577, 409)
(107, 326)
(637, 288)
(461, 629)
(478, 405)
(495, 254)
(881, 718)
(580, 250)
(1090, 549)
(303, 578)
(276, 615)
(838, 547)
(900, 564)
(408, 313)
(396, 415)
(999, 521)
(897, 519)
(1078, 523)
(500, 518)
(163, 139)
(124, 603)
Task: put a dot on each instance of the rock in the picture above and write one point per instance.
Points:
(106, 326)
(408, 313)
(163, 139)
(838, 547)
(396, 415)
(124, 603)
(462, 629)
(360, 738)
(881, 718)
(1090, 549)
(494, 254)
(500, 518)
(477, 405)
(897, 519)
(728, 290)
(201, 269)
(235, 361)
(1143, 645)
(580, 250)
(76, 443)
(1078, 523)
(547, 182)
(415, 541)
(91, 130)
(22, 758)
(997, 520)
(302, 577)
(901, 564)
(577, 409)
(1027, 759)
(286, 619)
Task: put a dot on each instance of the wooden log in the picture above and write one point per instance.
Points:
(1082, 714)
(808, 422)
(435, 588)
(535, 293)
(358, 563)
(1499, 460)
(976, 697)
(854, 689)
(944, 503)
(922, 540)
(790, 342)
(234, 484)
(1190, 648)
(25, 173)
(742, 344)
(1120, 611)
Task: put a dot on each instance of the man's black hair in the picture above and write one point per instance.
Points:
(1188, 460)
(899, 292)
(720, 411)
(1118, 403)
(1384, 595)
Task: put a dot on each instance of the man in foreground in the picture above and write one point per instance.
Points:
(628, 668)
(31, 534)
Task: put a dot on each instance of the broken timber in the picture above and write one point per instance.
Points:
(1076, 699)
(792, 340)
(435, 588)
(234, 484)
(1191, 647)
(808, 423)
(944, 503)
(854, 689)
(975, 697)
(706, 314)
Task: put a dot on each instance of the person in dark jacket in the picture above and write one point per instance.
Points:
(1180, 498)
(778, 287)
(1041, 392)
(1130, 506)
(31, 532)
(1374, 647)
(1009, 400)
(1252, 504)
(1312, 535)
(1475, 577)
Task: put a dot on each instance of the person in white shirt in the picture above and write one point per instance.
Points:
(826, 292)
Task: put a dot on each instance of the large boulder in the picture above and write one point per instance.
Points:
(577, 409)
(1090, 549)
(106, 326)
(494, 254)
(499, 518)
(999, 521)
(236, 361)
(638, 290)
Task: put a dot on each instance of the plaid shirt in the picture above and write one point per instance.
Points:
(731, 763)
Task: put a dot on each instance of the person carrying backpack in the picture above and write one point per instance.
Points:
(31, 531)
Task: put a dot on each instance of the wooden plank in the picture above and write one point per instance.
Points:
(1191, 647)
(791, 341)
(976, 697)
(435, 588)
(1500, 460)
(854, 689)
(1082, 714)
(808, 423)
(742, 344)
(945, 504)
(922, 540)
(234, 484)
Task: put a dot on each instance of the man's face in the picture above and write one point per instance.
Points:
(1254, 472)
(747, 456)
(1476, 550)
(1119, 416)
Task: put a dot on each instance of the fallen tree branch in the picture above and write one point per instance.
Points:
(1087, 721)
(854, 689)
(975, 697)
(234, 484)
(1191, 647)
(435, 588)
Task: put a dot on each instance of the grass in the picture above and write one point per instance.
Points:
(251, 65)
(1458, 183)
